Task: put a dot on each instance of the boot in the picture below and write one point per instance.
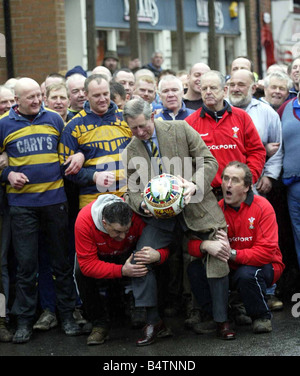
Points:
(5, 334)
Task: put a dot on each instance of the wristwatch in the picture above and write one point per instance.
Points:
(232, 254)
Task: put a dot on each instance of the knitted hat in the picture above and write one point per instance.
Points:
(77, 69)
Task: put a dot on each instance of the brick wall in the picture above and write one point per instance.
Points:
(2, 59)
(39, 40)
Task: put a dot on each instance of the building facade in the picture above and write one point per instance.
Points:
(38, 38)
(158, 30)
(50, 35)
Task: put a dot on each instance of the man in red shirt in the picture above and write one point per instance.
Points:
(107, 235)
(228, 131)
(251, 246)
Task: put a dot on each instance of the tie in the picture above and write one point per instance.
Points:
(156, 155)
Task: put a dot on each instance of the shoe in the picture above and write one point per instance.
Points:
(193, 319)
(224, 331)
(242, 320)
(208, 326)
(239, 314)
(78, 317)
(87, 328)
(22, 334)
(70, 327)
(262, 326)
(274, 303)
(5, 334)
(153, 331)
(98, 336)
(171, 311)
(46, 321)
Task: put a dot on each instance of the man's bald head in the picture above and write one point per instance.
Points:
(24, 84)
(28, 96)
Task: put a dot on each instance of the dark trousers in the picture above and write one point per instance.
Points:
(250, 281)
(93, 292)
(98, 297)
(52, 222)
(211, 293)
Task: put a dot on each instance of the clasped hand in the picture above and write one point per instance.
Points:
(145, 256)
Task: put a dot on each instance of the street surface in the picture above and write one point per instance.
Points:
(283, 341)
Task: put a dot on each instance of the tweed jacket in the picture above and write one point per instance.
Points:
(180, 143)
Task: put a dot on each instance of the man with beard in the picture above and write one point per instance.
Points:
(267, 122)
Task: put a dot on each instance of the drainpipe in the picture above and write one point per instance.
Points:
(259, 46)
(8, 39)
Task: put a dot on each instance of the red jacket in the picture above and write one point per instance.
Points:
(92, 245)
(233, 138)
(252, 232)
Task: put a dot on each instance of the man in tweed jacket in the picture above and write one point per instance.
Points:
(179, 146)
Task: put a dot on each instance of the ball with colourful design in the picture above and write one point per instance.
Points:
(163, 196)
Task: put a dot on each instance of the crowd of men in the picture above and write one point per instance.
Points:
(76, 236)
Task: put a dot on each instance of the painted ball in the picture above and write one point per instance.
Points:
(163, 196)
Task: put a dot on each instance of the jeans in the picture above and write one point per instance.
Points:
(293, 198)
(27, 224)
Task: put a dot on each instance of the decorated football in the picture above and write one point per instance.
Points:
(163, 196)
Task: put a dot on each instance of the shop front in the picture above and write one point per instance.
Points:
(158, 30)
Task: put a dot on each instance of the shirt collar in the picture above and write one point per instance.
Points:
(205, 110)
(248, 201)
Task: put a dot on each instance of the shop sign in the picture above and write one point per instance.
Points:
(202, 14)
(147, 11)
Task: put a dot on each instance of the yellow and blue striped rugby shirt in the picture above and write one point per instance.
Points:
(101, 139)
(32, 149)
